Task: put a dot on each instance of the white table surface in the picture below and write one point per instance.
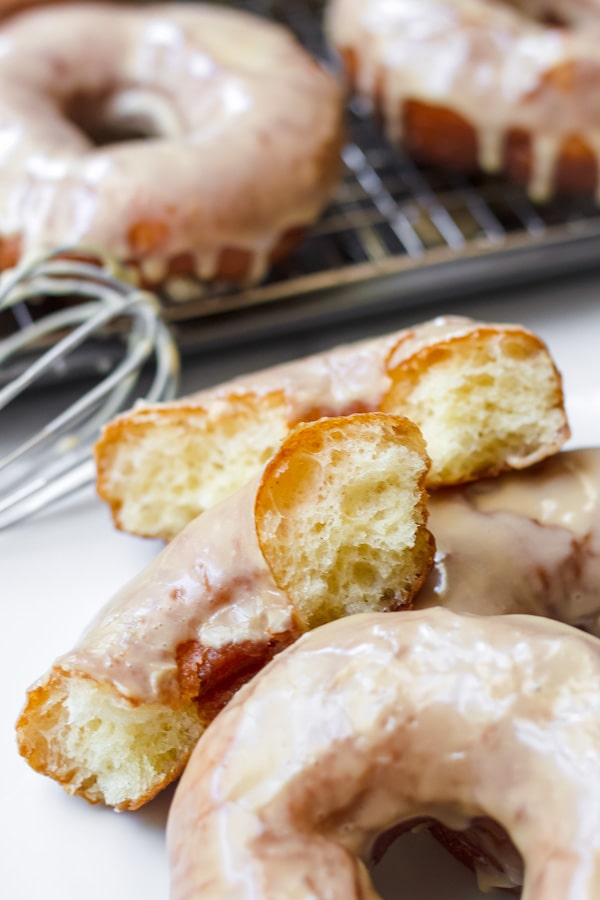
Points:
(57, 568)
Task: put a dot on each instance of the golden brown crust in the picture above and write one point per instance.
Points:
(440, 136)
(410, 361)
(211, 676)
(540, 119)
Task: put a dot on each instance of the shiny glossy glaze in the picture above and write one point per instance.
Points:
(232, 105)
(211, 585)
(491, 62)
(387, 718)
(521, 543)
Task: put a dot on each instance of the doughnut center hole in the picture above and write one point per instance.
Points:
(413, 859)
(122, 115)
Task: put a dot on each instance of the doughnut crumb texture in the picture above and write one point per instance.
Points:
(115, 718)
(488, 398)
(162, 466)
(342, 523)
(99, 745)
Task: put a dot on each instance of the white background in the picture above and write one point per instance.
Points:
(57, 568)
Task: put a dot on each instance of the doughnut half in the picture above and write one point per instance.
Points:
(487, 398)
(189, 141)
(335, 524)
(379, 720)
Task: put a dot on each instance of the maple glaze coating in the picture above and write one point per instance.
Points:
(473, 84)
(525, 542)
(229, 103)
(210, 587)
(388, 718)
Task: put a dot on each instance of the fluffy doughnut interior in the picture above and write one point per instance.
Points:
(483, 405)
(168, 468)
(343, 524)
(120, 751)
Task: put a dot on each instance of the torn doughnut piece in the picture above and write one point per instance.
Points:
(335, 524)
(391, 719)
(487, 398)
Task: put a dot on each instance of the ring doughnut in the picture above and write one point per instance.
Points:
(243, 134)
(335, 524)
(391, 719)
(457, 379)
(502, 87)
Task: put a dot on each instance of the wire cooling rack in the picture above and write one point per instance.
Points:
(396, 236)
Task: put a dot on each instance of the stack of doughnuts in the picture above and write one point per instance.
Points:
(503, 87)
(242, 131)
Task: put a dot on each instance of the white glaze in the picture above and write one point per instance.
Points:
(211, 584)
(237, 106)
(485, 60)
(388, 718)
(544, 521)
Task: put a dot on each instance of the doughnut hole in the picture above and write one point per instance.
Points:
(120, 751)
(341, 517)
(483, 405)
(116, 114)
(163, 468)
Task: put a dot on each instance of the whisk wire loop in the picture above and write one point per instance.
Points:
(57, 459)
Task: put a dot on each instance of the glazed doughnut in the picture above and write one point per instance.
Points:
(505, 87)
(391, 719)
(546, 521)
(486, 397)
(335, 524)
(244, 134)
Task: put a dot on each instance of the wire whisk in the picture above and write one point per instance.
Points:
(94, 297)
